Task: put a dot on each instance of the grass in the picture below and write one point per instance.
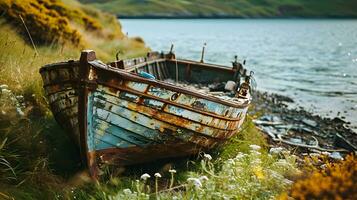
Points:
(246, 171)
(39, 161)
(235, 8)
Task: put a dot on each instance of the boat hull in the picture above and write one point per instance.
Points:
(117, 117)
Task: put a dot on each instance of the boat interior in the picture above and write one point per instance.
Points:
(162, 67)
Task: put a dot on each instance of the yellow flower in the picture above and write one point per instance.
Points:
(258, 171)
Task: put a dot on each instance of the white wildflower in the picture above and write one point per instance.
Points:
(207, 156)
(203, 178)
(172, 171)
(19, 111)
(282, 163)
(3, 86)
(276, 150)
(240, 155)
(256, 162)
(5, 91)
(196, 182)
(255, 147)
(3, 112)
(145, 176)
(127, 191)
(230, 162)
(157, 175)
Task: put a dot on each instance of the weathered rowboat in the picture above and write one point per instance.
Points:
(125, 113)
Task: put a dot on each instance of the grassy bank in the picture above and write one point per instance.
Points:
(39, 161)
(235, 8)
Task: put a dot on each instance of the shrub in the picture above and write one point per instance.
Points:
(335, 181)
(48, 21)
(46, 25)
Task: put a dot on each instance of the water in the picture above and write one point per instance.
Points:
(312, 61)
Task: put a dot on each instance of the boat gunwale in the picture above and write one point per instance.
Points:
(162, 84)
(58, 65)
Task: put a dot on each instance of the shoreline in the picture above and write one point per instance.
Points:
(299, 129)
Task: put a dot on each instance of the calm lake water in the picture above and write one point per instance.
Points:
(312, 61)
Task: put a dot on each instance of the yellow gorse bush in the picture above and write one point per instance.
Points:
(48, 21)
(335, 181)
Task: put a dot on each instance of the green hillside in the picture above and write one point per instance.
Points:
(232, 8)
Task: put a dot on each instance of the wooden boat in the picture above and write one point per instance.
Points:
(124, 112)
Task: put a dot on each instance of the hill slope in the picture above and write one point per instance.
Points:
(232, 8)
(58, 23)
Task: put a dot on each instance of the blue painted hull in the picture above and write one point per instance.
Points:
(118, 117)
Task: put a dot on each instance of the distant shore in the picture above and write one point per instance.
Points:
(229, 17)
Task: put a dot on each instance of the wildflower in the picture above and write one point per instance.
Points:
(172, 171)
(157, 175)
(5, 91)
(203, 178)
(255, 147)
(207, 156)
(230, 161)
(3, 112)
(196, 182)
(256, 153)
(3, 86)
(19, 111)
(258, 171)
(127, 191)
(276, 150)
(145, 176)
(240, 155)
(255, 162)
